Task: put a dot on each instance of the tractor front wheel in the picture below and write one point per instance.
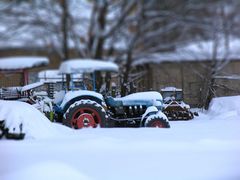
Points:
(156, 122)
(85, 113)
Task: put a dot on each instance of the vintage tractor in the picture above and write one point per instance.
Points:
(83, 108)
(174, 107)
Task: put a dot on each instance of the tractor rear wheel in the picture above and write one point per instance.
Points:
(1, 133)
(16, 136)
(85, 113)
(15, 133)
(1, 129)
(157, 122)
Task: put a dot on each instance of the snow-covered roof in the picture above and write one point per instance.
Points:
(171, 89)
(86, 65)
(53, 75)
(22, 62)
(31, 86)
(232, 77)
(196, 51)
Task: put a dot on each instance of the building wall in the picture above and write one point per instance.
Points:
(229, 87)
(8, 80)
(16, 79)
(189, 77)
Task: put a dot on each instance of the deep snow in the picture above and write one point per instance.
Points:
(206, 148)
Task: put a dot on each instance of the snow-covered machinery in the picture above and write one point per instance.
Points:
(174, 107)
(75, 106)
(84, 108)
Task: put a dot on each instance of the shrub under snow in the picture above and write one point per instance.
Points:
(34, 124)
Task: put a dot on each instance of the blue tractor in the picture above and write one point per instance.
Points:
(81, 108)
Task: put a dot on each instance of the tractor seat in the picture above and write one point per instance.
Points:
(110, 101)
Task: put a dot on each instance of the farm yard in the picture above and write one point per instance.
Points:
(119, 90)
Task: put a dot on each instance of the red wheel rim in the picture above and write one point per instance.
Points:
(157, 124)
(85, 117)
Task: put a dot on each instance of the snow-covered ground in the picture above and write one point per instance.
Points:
(206, 148)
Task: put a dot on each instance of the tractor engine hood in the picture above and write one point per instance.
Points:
(151, 98)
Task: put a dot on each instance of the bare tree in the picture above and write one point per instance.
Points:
(223, 18)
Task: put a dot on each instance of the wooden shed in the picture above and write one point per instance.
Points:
(14, 71)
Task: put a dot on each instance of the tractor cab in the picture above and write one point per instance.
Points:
(171, 93)
(87, 68)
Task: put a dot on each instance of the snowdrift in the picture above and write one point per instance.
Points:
(206, 148)
(34, 123)
(49, 170)
(227, 107)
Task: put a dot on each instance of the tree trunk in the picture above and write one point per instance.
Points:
(126, 74)
(211, 80)
(64, 6)
(210, 93)
(99, 42)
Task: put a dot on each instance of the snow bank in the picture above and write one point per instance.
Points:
(22, 62)
(201, 149)
(225, 106)
(49, 170)
(34, 123)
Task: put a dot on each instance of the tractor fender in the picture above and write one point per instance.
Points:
(150, 109)
(73, 96)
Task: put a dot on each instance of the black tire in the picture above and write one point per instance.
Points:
(1, 129)
(74, 111)
(1, 134)
(155, 121)
(13, 135)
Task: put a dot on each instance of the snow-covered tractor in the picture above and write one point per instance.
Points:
(80, 108)
(174, 107)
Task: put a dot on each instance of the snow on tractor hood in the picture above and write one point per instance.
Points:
(151, 98)
(73, 94)
(86, 65)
